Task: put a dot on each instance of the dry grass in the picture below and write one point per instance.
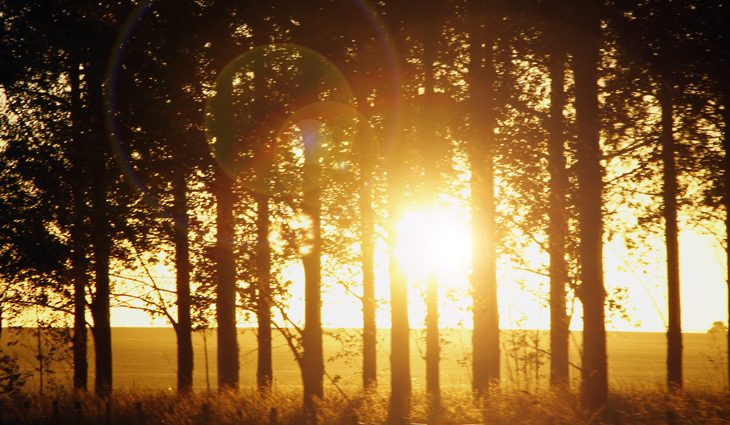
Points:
(633, 407)
(145, 369)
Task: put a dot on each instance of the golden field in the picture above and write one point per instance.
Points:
(145, 359)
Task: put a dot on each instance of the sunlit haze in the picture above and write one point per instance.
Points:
(437, 240)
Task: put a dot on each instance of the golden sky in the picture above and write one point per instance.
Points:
(445, 250)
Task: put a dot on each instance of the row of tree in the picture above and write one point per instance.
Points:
(206, 133)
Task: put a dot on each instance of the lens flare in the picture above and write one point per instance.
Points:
(241, 128)
(242, 125)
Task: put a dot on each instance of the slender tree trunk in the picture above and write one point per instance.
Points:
(222, 124)
(558, 226)
(400, 367)
(80, 339)
(100, 306)
(227, 354)
(669, 212)
(264, 369)
(264, 170)
(485, 336)
(40, 356)
(594, 375)
(205, 360)
(313, 356)
(433, 352)
(101, 238)
(79, 263)
(726, 201)
(180, 142)
(431, 152)
(183, 328)
(367, 246)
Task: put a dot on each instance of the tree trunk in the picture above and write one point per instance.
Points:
(227, 353)
(264, 369)
(181, 140)
(367, 246)
(100, 305)
(264, 158)
(594, 376)
(433, 352)
(485, 336)
(101, 238)
(400, 367)
(313, 356)
(183, 328)
(669, 212)
(431, 152)
(558, 226)
(221, 118)
(79, 263)
(726, 201)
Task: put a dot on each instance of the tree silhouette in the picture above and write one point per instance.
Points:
(482, 74)
(586, 36)
(559, 186)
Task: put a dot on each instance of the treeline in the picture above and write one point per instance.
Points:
(232, 138)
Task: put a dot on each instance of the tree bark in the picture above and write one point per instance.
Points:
(101, 238)
(594, 375)
(264, 369)
(669, 213)
(313, 356)
(400, 367)
(558, 221)
(221, 124)
(485, 336)
(264, 158)
(183, 328)
(180, 144)
(367, 246)
(100, 306)
(433, 352)
(431, 152)
(79, 262)
(227, 354)
(726, 201)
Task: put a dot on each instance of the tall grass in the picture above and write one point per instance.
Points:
(249, 407)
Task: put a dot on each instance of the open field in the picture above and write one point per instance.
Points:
(145, 359)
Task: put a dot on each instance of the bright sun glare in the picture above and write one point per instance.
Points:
(433, 240)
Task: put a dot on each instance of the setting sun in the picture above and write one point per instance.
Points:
(432, 240)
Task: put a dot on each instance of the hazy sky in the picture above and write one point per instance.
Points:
(704, 292)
